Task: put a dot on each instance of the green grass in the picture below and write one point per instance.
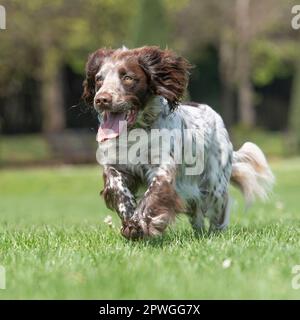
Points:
(54, 244)
(24, 148)
(274, 144)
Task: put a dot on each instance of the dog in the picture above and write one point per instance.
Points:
(142, 89)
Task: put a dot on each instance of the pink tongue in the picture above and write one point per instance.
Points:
(111, 126)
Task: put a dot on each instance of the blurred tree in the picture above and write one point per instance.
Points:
(42, 37)
(52, 103)
(227, 55)
(249, 49)
(213, 22)
(243, 64)
(150, 26)
(254, 42)
(294, 119)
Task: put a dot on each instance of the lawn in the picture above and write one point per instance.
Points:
(54, 243)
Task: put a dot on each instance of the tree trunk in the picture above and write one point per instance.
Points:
(54, 118)
(294, 116)
(226, 70)
(245, 91)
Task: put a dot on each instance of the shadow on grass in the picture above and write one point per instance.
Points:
(184, 236)
(174, 237)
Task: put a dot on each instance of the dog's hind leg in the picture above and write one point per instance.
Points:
(219, 213)
(196, 218)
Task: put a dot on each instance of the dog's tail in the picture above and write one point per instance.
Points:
(251, 172)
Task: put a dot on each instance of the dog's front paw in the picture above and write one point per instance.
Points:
(132, 230)
(145, 227)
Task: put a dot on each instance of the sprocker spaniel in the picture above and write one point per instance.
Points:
(179, 152)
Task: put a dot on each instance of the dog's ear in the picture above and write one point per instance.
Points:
(168, 73)
(93, 65)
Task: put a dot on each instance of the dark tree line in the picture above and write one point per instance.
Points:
(245, 54)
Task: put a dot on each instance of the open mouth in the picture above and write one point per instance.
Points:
(113, 124)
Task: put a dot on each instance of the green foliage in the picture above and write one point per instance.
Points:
(272, 143)
(68, 30)
(55, 244)
(71, 28)
(151, 25)
(272, 60)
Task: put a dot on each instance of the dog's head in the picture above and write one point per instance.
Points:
(119, 83)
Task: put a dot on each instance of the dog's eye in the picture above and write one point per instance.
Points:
(99, 81)
(127, 79)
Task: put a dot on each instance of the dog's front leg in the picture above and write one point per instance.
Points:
(156, 209)
(117, 194)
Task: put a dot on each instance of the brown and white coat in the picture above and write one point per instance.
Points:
(144, 87)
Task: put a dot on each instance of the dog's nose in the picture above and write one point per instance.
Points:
(103, 100)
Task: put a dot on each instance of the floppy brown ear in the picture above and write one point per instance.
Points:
(93, 64)
(168, 73)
